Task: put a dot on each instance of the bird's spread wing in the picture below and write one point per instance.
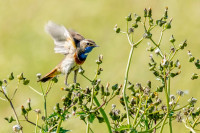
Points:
(64, 43)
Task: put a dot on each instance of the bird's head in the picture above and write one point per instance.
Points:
(86, 47)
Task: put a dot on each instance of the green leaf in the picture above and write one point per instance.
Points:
(10, 120)
(64, 130)
(123, 127)
(91, 117)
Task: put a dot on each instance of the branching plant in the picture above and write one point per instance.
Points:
(143, 108)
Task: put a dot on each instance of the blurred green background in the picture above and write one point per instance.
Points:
(25, 47)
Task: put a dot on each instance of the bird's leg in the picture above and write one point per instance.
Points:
(66, 79)
(75, 75)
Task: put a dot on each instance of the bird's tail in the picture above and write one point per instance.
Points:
(50, 75)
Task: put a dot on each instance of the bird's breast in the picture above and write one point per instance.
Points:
(67, 65)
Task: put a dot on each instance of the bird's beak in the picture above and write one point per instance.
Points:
(96, 45)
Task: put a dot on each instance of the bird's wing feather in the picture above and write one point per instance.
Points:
(63, 41)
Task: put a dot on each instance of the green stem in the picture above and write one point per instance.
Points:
(103, 114)
(150, 130)
(168, 107)
(45, 104)
(36, 126)
(88, 127)
(161, 35)
(86, 77)
(193, 125)
(181, 108)
(170, 121)
(11, 104)
(137, 113)
(35, 90)
(59, 125)
(125, 83)
(91, 103)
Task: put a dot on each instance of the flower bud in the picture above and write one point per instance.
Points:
(134, 25)
(11, 76)
(172, 39)
(147, 35)
(113, 106)
(128, 18)
(149, 12)
(194, 76)
(149, 84)
(101, 57)
(197, 64)
(166, 13)
(26, 81)
(158, 101)
(151, 21)
(17, 128)
(115, 87)
(177, 64)
(137, 18)
(20, 76)
(116, 29)
(102, 90)
(175, 74)
(191, 58)
(172, 97)
(145, 12)
(37, 111)
(38, 75)
(164, 108)
(81, 71)
(192, 101)
(130, 30)
(165, 62)
(183, 45)
(23, 110)
(157, 51)
(180, 93)
(29, 105)
(159, 89)
(98, 62)
(168, 25)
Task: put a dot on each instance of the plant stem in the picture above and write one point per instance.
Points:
(36, 123)
(45, 105)
(168, 107)
(168, 89)
(103, 114)
(59, 125)
(137, 113)
(88, 127)
(194, 124)
(35, 90)
(91, 103)
(125, 83)
(149, 131)
(15, 114)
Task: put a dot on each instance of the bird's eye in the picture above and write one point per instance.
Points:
(89, 44)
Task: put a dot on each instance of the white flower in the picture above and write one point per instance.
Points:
(17, 128)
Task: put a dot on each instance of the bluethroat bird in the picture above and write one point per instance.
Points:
(73, 45)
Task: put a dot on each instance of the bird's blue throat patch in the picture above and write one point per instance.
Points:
(83, 55)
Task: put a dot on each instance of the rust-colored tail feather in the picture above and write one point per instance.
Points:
(49, 76)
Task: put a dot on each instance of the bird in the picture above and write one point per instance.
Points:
(74, 47)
